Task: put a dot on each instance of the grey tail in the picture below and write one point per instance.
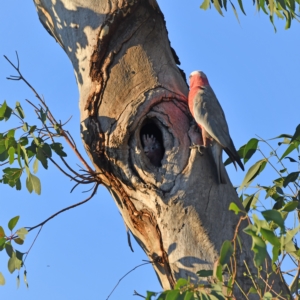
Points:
(216, 150)
(234, 156)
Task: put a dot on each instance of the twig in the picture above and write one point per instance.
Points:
(250, 275)
(66, 208)
(50, 116)
(32, 243)
(64, 172)
(240, 288)
(271, 288)
(146, 263)
(135, 293)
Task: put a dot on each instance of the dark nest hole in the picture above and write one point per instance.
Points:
(152, 142)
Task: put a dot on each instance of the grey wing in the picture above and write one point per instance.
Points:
(209, 113)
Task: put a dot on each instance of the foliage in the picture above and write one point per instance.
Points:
(22, 150)
(283, 9)
(16, 258)
(272, 229)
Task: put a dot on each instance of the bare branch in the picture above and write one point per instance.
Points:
(65, 209)
(146, 263)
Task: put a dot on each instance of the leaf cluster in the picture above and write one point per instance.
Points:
(16, 258)
(26, 144)
(284, 9)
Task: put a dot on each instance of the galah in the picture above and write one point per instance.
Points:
(209, 115)
(153, 149)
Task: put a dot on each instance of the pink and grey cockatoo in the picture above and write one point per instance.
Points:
(153, 149)
(209, 115)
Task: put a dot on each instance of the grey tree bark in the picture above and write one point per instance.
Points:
(130, 85)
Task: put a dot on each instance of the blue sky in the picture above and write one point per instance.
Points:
(83, 253)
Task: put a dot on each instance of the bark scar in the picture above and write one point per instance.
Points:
(144, 221)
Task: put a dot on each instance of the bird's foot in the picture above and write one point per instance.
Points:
(199, 148)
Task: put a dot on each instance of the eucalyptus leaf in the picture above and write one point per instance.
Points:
(2, 279)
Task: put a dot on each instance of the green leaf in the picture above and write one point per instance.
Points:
(13, 222)
(234, 208)
(275, 216)
(14, 263)
(4, 156)
(205, 273)
(271, 7)
(181, 282)
(35, 166)
(225, 253)
(284, 135)
(2, 243)
(235, 13)
(11, 133)
(57, 148)
(205, 4)
(18, 241)
(291, 234)
(25, 278)
(5, 111)
(32, 129)
(43, 115)
(290, 159)
(255, 170)
(270, 236)
(289, 149)
(11, 154)
(279, 182)
(260, 223)
(47, 150)
(150, 294)
(19, 155)
(218, 271)
(268, 296)
(11, 263)
(251, 230)
(25, 127)
(290, 248)
(252, 290)
(41, 157)
(2, 233)
(216, 292)
(248, 202)
(292, 177)
(19, 255)
(25, 156)
(259, 248)
(188, 295)
(9, 249)
(33, 184)
(275, 254)
(172, 295)
(251, 146)
(19, 110)
(217, 6)
(290, 206)
(22, 233)
(18, 281)
(2, 279)
(241, 6)
(163, 295)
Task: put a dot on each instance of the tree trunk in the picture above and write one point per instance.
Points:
(130, 86)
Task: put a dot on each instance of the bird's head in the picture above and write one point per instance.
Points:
(198, 79)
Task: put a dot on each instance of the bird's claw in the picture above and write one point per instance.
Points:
(198, 147)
